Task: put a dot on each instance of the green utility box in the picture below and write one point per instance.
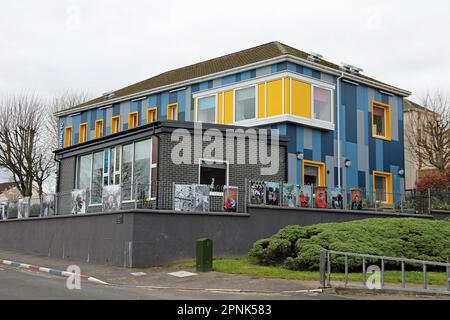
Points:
(204, 255)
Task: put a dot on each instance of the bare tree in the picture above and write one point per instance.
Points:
(20, 120)
(428, 132)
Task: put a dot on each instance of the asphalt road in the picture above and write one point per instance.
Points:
(19, 284)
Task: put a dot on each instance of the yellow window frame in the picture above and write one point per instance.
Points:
(68, 136)
(322, 169)
(131, 117)
(99, 129)
(116, 119)
(152, 111)
(84, 133)
(388, 177)
(169, 109)
(387, 119)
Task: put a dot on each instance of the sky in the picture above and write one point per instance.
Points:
(52, 46)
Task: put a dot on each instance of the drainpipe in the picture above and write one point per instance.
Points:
(338, 129)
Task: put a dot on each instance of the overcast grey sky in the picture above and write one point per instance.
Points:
(100, 45)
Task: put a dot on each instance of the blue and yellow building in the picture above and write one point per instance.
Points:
(345, 129)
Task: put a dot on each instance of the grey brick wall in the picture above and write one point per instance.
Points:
(170, 173)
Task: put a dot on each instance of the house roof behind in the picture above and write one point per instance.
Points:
(5, 186)
(410, 105)
(237, 59)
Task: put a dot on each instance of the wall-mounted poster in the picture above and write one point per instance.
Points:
(23, 208)
(3, 210)
(321, 197)
(48, 205)
(191, 197)
(183, 197)
(230, 199)
(257, 192)
(111, 198)
(289, 195)
(272, 190)
(78, 201)
(356, 196)
(201, 197)
(305, 196)
(336, 199)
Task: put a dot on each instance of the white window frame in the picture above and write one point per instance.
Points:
(313, 104)
(227, 174)
(256, 103)
(216, 109)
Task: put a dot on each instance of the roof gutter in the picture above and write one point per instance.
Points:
(286, 57)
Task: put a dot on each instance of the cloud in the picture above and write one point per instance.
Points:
(103, 45)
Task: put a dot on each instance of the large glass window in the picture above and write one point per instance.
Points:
(245, 104)
(127, 171)
(134, 166)
(322, 104)
(97, 170)
(84, 172)
(141, 171)
(206, 109)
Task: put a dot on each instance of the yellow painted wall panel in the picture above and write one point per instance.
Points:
(229, 116)
(219, 108)
(261, 100)
(287, 96)
(274, 98)
(301, 99)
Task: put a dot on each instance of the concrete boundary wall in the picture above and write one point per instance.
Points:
(138, 238)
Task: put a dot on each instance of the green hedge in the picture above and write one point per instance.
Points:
(298, 248)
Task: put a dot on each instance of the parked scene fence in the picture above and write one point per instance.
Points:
(164, 195)
(371, 271)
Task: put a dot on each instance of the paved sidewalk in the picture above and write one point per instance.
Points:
(158, 277)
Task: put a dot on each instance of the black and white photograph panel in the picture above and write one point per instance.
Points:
(79, 201)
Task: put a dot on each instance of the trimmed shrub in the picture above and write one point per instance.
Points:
(298, 248)
(271, 251)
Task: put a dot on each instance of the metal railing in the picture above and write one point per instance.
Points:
(343, 198)
(159, 195)
(326, 261)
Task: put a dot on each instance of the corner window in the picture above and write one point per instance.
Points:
(98, 132)
(322, 104)
(152, 115)
(206, 109)
(172, 111)
(96, 184)
(84, 172)
(141, 171)
(245, 104)
(133, 120)
(213, 173)
(313, 173)
(67, 137)
(382, 187)
(127, 171)
(381, 121)
(83, 133)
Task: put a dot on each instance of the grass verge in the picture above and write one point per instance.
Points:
(245, 265)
